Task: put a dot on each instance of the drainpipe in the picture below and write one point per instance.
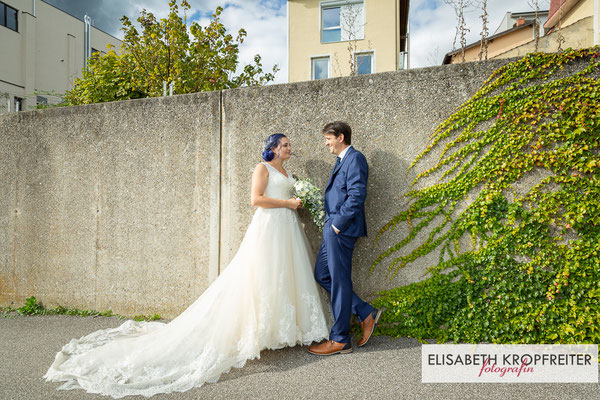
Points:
(408, 43)
(34, 8)
(87, 42)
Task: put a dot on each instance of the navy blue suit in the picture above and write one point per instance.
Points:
(345, 209)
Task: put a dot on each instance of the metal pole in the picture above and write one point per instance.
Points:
(87, 43)
(408, 44)
(171, 89)
(164, 88)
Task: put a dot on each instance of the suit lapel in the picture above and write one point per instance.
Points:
(335, 170)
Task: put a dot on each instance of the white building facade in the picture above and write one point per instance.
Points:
(42, 51)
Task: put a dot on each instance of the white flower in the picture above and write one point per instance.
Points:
(312, 200)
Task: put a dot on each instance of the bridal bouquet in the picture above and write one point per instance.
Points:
(312, 199)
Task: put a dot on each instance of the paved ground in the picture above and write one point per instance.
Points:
(385, 369)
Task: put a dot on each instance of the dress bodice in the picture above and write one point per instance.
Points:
(279, 186)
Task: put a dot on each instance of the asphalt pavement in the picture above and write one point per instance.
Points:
(385, 368)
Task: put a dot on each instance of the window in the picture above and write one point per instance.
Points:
(342, 21)
(9, 17)
(41, 100)
(320, 68)
(332, 28)
(364, 63)
(19, 103)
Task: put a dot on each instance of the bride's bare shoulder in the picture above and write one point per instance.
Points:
(261, 169)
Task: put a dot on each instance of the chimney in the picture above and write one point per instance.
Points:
(520, 21)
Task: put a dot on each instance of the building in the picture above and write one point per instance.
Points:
(330, 38)
(42, 51)
(579, 22)
(515, 29)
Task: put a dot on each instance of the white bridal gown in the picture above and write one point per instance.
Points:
(266, 298)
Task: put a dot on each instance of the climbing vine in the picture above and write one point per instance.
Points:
(518, 262)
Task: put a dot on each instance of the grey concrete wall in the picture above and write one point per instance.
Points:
(135, 206)
(109, 206)
(392, 116)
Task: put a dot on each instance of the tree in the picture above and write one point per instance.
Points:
(483, 47)
(352, 25)
(460, 7)
(536, 5)
(201, 59)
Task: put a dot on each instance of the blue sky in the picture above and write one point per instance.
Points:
(432, 23)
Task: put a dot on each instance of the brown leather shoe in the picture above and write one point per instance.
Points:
(330, 348)
(368, 326)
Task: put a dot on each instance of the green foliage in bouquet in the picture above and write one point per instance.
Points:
(532, 271)
(312, 199)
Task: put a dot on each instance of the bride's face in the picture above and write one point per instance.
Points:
(284, 150)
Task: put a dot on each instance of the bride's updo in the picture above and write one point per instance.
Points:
(271, 143)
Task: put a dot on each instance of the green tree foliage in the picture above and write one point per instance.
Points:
(198, 59)
(532, 271)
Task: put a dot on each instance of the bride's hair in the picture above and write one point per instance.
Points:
(272, 142)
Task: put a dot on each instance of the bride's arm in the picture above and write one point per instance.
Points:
(260, 178)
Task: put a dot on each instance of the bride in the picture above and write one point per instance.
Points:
(266, 298)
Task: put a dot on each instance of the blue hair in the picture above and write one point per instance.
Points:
(272, 142)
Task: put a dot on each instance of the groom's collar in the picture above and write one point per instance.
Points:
(343, 153)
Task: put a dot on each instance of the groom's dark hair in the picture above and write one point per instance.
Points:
(338, 128)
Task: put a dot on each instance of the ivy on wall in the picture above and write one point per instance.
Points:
(515, 266)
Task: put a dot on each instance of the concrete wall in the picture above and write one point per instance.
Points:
(135, 206)
(109, 206)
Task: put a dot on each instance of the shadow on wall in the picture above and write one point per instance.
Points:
(388, 178)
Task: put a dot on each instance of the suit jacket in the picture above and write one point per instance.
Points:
(346, 193)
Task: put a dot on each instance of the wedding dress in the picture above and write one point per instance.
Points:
(266, 298)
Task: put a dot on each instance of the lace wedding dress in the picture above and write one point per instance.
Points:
(266, 298)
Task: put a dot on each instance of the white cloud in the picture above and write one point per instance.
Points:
(433, 26)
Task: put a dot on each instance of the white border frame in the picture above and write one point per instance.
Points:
(310, 65)
(333, 3)
(373, 63)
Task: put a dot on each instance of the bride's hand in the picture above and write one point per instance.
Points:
(294, 203)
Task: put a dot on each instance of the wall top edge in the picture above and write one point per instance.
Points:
(416, 73)
(180, 99)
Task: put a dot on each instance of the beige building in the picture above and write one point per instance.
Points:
(576, 21)
(42, 50)
(331, 38)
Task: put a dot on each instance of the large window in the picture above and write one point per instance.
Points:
(9, 17)
(342, 21)
(364, 63)
(319, 68)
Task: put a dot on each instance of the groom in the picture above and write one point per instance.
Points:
(344, 224)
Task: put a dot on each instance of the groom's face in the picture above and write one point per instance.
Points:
(335, 144)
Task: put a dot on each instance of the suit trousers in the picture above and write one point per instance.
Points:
(333, 271)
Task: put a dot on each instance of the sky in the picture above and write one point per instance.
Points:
(432, 24)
